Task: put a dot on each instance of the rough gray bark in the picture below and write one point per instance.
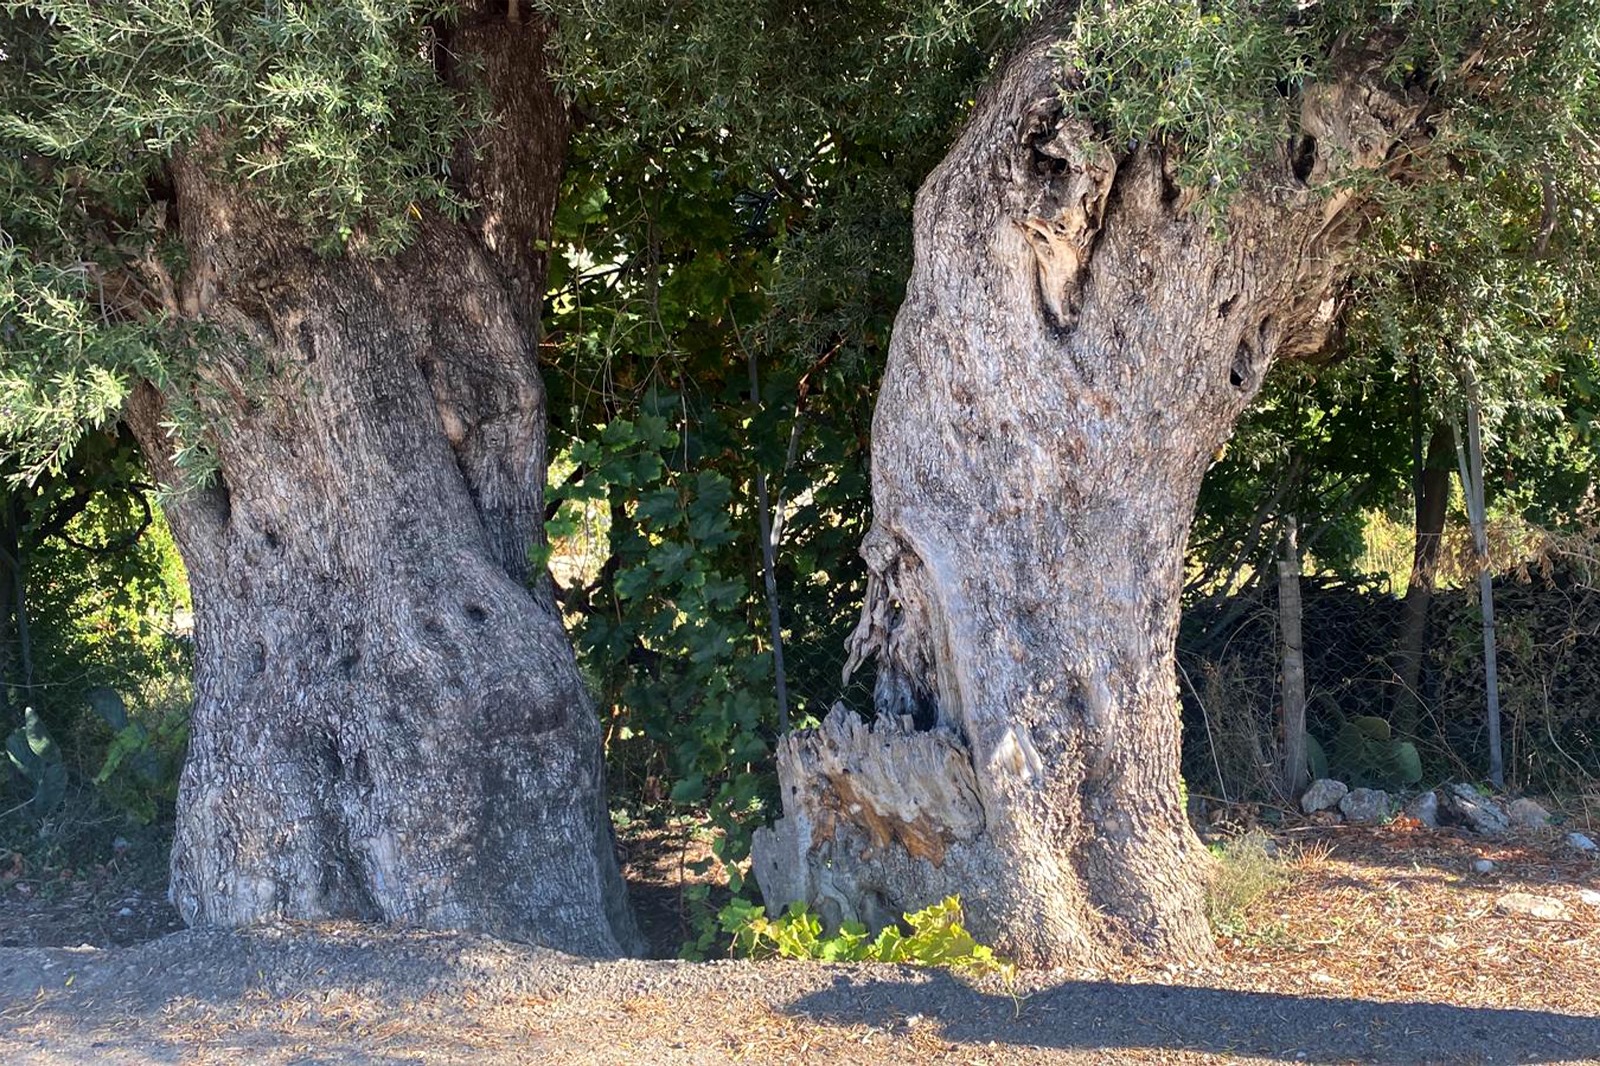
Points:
(1075, 344)
(388, 719)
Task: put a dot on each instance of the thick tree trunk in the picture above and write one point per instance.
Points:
(388, 719)
(1075, 344)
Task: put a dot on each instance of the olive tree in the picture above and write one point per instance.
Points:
(1149, 205)
(299, 249)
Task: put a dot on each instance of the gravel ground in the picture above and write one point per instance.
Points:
(355, 994)
(1384, 945)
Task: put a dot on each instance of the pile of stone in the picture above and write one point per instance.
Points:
(1337, 802)
(1457, 805)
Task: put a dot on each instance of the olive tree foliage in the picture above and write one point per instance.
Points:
(331, 113)
(1478, 262)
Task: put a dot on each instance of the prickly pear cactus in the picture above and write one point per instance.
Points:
(34, 754)
(1368, 754)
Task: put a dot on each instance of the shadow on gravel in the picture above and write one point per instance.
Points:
(1100, 1015)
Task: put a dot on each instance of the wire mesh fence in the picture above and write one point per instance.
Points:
(1549, 669)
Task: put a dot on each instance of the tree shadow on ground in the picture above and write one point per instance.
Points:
(1104, 1016)
(661, 916)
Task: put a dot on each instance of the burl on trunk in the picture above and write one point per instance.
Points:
(1075, 344)
(388, 719)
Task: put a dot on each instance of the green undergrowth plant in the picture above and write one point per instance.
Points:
(1247, 871)
(1365, 752)
(665, 629)
(933, 936)
(33, 753)
(137, 774)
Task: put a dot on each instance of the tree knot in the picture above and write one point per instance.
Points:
(1061, 179)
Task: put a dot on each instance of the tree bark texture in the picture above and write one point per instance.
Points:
(388, 722)
(1075, 344)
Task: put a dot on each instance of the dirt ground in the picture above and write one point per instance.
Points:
(1379, 945)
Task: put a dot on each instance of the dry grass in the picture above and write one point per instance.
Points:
(1248, 871)
(1396, 913)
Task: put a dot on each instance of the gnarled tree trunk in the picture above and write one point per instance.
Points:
(388, 719)
(1075, 344)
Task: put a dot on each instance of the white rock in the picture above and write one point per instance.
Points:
(126, 912)
(1527, 814)
(1483, 866)
(1323, 793)
(1466, 806)
(1589, 896)
(1425, 809)
(1365, 805)
(1581, 842)
(1527, 905)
